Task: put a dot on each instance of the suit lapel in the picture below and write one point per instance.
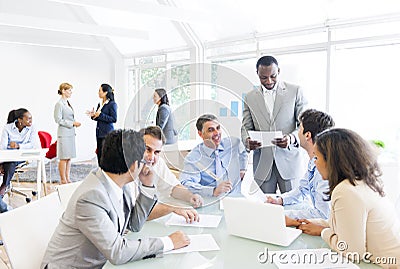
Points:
(279, 98)
(259, 100)
(113, 198)
(127, 204)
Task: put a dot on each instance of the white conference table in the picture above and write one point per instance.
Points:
(235, 252)
(37, 155)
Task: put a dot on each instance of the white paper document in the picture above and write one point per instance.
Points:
(198, 242)
(207, 221)
(265, 137)
(307, 258)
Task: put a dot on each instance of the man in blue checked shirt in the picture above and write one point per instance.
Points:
(312, 186)
(217, 165)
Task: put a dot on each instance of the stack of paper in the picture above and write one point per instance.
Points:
(265, 137)
(198, 242)
(207, 221)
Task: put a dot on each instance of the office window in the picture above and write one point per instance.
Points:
(180, 94)
(364, 92)
(305, 69)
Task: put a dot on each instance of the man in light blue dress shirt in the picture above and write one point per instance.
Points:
(312, 186)
(217, 165)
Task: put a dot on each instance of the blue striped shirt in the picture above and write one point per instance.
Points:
(312, 187)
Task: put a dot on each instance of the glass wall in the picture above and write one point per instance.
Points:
(348, 70)
(364, 90)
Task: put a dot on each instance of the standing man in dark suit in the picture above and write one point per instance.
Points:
(91, 230)
(105, 115)
(275, 106)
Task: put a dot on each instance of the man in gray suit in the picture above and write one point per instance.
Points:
(91, 230)
(275, 106)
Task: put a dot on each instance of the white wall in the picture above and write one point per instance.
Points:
(30, 76)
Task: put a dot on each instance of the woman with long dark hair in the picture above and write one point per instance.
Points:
(165, 119)
(105, 115)
(362, 219)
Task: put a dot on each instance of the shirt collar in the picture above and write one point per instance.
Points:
(311, 164)
(115, 188)
(265, 91)
(64, 101)
(14, 127)
(209, 151)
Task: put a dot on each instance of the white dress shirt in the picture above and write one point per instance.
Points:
(269, 98)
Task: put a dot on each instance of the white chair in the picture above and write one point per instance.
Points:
(27, 230)
(65, 192)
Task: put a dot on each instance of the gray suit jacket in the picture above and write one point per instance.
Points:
(165, 120)
(64, 117)
(89, 233)
(289, 104)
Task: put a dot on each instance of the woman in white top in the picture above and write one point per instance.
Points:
(64, 117)
(19, 133)
(362, 221)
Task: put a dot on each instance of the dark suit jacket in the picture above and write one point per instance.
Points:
(106, 119)
(165, 120)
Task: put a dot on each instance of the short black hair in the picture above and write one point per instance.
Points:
(154, 131)
(315, 122)
(121, 149)
(204, 118)
(266, 61)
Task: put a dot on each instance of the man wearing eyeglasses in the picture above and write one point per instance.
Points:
(91, 230)
(275, 106)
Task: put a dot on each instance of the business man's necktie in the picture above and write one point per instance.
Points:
(125, 210)
(219, 170)
(311, 173)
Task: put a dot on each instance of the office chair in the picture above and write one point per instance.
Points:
(19, 170)
(45, 140)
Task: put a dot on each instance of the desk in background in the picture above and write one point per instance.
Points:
(235, 252)
(28, 155)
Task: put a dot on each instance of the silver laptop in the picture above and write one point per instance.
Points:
(258, 221)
